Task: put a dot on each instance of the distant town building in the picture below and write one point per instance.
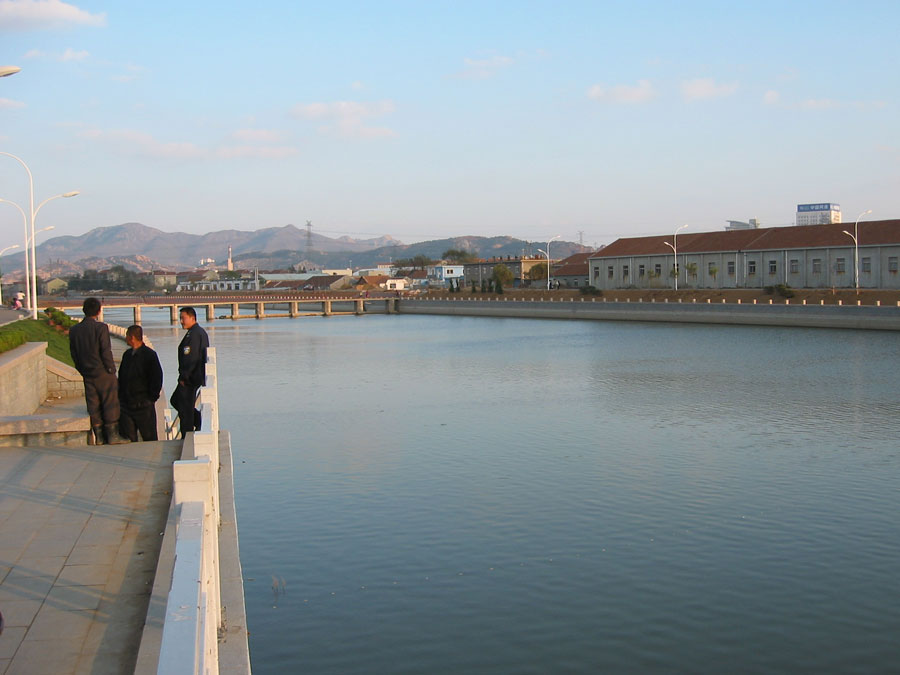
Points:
(54, 285)
(818, 214)
(572, 272)
(476, 272)
(753, 224)
(807, 256)
(163, 279)
(440, 274)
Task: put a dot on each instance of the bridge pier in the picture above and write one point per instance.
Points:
(137, 314)
(360, 307)
(235, 311)
(210, 312)
(391, 305)
(260, 310)
(173, 314)
(326, 307)
(294, 309)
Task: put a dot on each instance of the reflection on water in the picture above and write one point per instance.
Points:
(491, 495)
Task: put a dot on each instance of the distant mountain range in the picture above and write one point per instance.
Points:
(141, 248)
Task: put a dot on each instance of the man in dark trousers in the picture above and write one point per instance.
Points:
(92, 354)
(191, 371)
(140, 381)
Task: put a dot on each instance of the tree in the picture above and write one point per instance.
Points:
(458, 256)
(502, 275)
(537, 272)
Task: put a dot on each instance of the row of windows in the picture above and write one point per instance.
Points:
(840, 267)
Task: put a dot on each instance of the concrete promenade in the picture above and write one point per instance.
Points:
(80, 536)
(79, 541)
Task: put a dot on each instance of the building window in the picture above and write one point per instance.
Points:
(840, 265)
(596, 273)
(641, 271)
(751, 268)
(609, 272)
(657, 269)
(892, 264)
(795, 266)
(711, 268)
(773, 267)
(817, 266)
(731, 268)
(865, 265)
(624, 271)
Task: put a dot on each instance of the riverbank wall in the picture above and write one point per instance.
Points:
(788, 315)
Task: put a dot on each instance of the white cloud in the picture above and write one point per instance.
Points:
(347, 118)
(257, 136)
(128, 141)
(820, 104)
(481, 69)
(357, 86)
(68, 55)
(639, 93)
(257, 152)
(16, 15)
(771, 97)
(72, 55)
(9, 104)
(140, 143)
(706, 87)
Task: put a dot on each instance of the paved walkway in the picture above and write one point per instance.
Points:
(79, 541)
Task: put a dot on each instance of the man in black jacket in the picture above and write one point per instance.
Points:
(92, 354)
(140, 381)
(191, 371)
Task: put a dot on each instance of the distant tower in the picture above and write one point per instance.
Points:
(308, 238)
(230, 262)
(581, 238)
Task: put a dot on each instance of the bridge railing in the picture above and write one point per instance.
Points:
(193, 610)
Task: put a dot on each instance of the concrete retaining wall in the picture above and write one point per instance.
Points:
(63, 381)
(806, 316)
(23, 379)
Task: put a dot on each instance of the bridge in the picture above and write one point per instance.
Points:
(260, 305)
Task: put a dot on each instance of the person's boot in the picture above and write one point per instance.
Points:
(112, 435)
(95, 435)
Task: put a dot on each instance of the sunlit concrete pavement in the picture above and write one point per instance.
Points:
(80, 531)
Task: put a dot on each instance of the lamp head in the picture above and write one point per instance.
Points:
(9, 70)
(72, 193)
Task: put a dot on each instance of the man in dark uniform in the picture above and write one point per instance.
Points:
(140, 381)
(191, 371)
(92, 354)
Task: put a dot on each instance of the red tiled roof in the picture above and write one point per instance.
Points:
(573, 270)
(875, 232)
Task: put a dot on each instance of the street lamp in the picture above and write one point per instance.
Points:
(27, 272)
(548, 259)
(855, 238)
(674, 248)
(2, 251)
(34, 212)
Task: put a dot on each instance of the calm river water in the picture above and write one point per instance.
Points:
(445, 495)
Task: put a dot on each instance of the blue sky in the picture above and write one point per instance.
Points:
(431, 119)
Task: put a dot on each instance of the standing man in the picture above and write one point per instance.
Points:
(92, 354)
(191, 371)
(140, 381)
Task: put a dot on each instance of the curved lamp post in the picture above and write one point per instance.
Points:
(34, 211)
(674, 248)
(2, 251)
(855, 238)
(548, 259)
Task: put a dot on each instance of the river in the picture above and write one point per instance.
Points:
(423, 494)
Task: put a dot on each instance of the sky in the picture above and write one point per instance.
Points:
(423, 120)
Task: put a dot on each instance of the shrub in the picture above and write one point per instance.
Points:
(590, 290)
(784, 291)
(11, 340)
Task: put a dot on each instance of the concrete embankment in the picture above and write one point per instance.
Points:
(805, 316)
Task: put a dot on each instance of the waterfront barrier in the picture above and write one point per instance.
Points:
(199, 572)
(793, 315)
